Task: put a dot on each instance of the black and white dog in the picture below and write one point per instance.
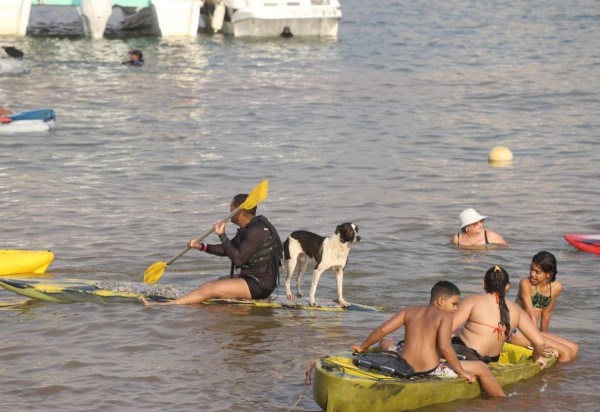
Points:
(328, 252)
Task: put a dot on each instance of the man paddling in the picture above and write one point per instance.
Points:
(255, 249)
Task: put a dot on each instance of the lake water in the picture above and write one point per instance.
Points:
(388, 127)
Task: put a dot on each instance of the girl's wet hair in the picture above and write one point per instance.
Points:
(547, 262)
(241, 198)
(495, 281)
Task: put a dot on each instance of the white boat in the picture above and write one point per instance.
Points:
(40, 120)
(264, 18)
(26, 126)
(12, 66)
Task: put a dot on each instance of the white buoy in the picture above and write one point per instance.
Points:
(500, 156)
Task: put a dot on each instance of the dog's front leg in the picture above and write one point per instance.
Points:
(313, 286)
(339, 278)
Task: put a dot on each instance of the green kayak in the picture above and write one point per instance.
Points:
(341, 386)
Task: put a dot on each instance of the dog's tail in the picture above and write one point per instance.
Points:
(286, 249)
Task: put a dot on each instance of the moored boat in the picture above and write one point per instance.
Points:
(264, 18)
(24, 261)
(340, 385)
(40, 120)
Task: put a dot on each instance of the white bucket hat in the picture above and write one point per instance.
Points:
(470, 216)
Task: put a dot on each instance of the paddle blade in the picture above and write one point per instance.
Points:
(257, 195)
(154, 272)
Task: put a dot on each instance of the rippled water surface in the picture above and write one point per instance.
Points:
(388, 127)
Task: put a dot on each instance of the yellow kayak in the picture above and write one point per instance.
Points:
(341, 386)
(81, 290)
(24, 261)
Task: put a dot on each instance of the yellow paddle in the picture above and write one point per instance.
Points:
(257, 195)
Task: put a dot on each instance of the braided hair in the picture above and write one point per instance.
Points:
(495, 281)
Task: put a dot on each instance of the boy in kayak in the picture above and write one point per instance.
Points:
(427, 338)
(255, 249)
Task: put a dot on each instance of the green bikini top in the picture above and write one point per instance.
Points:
(540, 301)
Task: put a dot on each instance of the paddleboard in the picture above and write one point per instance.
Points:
(587, 243)
(77, 290)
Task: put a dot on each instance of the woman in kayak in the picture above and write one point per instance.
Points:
(488, 319)
(537, 296)
(472, 232)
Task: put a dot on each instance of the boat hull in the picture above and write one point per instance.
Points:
(12, 67)
(587, 243)
(40, 120)
(339, 385)
(24, 261)
(26, 126)
(268, 18)
(255, 27)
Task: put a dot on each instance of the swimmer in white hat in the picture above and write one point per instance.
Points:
(472, 232)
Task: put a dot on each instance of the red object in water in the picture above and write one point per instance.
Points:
(587, 243)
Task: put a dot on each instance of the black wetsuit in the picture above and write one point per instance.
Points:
(257, 250)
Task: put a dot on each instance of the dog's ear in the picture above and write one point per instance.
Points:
(341, 229)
